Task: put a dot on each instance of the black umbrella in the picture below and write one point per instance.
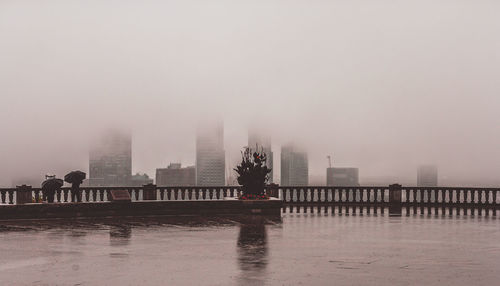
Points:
(75, 177)
(52, 184)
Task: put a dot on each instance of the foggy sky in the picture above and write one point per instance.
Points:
(380, 85)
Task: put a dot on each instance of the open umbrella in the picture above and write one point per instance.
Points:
(49, 187)
(52, 184)
(75, 177)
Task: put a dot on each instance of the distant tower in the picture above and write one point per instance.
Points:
(210, 155)
(110, 160)
(294, 167)
(427, 176)
(257, 139)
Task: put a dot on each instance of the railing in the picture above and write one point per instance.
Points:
(395, 197)
(100, 194)
(334, 195)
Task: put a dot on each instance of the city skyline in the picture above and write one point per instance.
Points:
(384, 98)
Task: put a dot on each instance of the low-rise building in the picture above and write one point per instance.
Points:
(175, 175)
(342, 177)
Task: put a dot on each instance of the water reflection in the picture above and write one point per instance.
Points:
(120, 234)
(252, 250)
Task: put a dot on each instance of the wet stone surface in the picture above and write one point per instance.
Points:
(300, 249)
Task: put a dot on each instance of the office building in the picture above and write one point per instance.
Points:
(210, 155)
(294, 167)
(175, 175)
(427, 176)
(110, 160)
(139, 180)
(342, 177)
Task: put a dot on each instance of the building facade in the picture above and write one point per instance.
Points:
(345, 177)
(110, 160)
(294, 167)
(427, 176)
(258, 140)
(210, 155)
(175, 175)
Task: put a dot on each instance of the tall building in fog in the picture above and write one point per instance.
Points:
(342, 177)
(174, 175)
(262, 141)
(210, 155)
(110, 160)
(294, 167)
(427, 176)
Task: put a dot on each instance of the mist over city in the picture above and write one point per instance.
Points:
(340, 78)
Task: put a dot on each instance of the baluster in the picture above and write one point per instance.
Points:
(480, 198)
(94, 195)
(487, 199)
(137, 191)
(37, 195)
(101, 195)
(162, 194)
(473, 196)
(189, 193)
(466, 194)
(3, 196)
(11, 197)
(65, 195)
(58, 195)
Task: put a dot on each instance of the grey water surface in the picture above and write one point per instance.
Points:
(298, 249)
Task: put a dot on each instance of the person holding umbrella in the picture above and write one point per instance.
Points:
(75, 178)
(49, 187)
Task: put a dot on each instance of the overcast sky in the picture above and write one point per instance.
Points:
(380, 85)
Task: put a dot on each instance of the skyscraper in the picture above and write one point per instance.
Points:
(210, 155)
(294, 167)
(427, 176)
(110, 160)
(258, 139)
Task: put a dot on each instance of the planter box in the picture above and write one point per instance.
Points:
(256, 207)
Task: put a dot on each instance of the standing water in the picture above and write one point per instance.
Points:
(299, 249)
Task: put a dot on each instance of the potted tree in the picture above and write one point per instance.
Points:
(253, 174)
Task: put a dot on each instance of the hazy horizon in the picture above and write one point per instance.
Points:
(384, 87)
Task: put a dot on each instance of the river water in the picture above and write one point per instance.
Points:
(298, 249)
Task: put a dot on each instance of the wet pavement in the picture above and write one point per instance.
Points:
(299, 249)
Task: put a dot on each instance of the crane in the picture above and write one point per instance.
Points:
(329, 160)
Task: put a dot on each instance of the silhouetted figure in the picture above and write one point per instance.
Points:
(49, 187)
(75, 178)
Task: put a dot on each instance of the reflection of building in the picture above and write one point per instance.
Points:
(139, 180)
(256, 139)
(294, 167)
(174, 175)
(427, 176)
(210, 155)
(342, 177)
(110, 162)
